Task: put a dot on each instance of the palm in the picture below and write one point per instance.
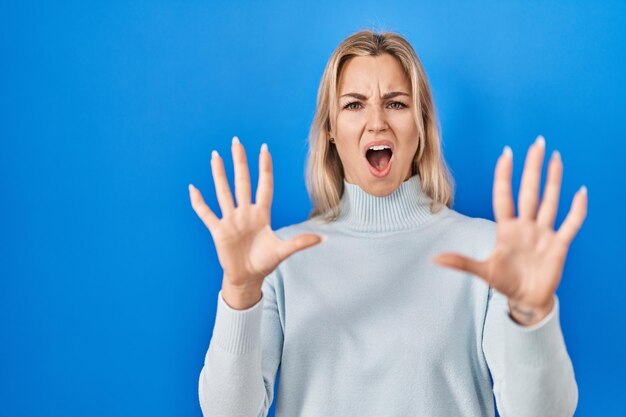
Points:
(527, 262)
(252, 252)
(247, 248)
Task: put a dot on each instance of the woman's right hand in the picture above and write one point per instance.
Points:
(247, 248)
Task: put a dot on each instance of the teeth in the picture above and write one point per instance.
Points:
(379, 147)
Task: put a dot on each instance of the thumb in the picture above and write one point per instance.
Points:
(298, 243)
(462, 263)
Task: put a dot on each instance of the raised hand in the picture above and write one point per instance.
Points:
(247, 248)
(527, 262)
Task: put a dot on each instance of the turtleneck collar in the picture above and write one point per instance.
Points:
(405, 208)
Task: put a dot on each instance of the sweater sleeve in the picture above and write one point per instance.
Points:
(531, 370)
(242, 360)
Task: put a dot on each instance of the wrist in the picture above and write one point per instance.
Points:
(526, 315)
(241, 297)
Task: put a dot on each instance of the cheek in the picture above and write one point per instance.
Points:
(350, 123)
(406, 130)
(404, 122)
(407, 136)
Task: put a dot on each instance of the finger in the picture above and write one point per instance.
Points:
(529, 188)
(550, 201)
(575, 217)
(242, 174)
(298, 243)
(265, 188)
(202, 210)
(503, 207)
(462, 263)
(222, 189)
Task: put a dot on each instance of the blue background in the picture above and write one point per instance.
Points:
(109, 281)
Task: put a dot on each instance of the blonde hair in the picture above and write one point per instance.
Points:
(324, 170)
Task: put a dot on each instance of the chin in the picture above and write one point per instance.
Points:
(381, 188)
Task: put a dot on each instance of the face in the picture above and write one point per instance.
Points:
(376, 135)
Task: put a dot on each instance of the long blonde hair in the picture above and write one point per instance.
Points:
(324, 170)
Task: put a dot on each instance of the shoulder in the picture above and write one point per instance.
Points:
(479, 232)
(476, 224)
(313, 225)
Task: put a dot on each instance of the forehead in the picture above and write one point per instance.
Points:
(367, 74)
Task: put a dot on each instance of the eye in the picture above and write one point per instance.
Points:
(400, 104)
(349, 105)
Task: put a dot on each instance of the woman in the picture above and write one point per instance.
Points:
(407, 308)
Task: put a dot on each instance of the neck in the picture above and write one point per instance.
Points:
(405, 208)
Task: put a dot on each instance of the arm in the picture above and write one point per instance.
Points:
(531, 369)
(243, 357)
(240, 366)
(524, 349)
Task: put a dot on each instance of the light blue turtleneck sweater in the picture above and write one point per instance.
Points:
(365, 324)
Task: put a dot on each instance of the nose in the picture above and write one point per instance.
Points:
(376, 121)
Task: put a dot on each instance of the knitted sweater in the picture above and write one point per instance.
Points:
(365, 324)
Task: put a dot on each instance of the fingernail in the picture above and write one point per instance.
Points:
(191, 187)
(324, 238)
(583, 189)
(541, 141)
(264, 147)
(235, 140)
(214, 154)
(556, 155)
(507, 151)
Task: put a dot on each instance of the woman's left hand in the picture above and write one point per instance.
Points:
(527, 262)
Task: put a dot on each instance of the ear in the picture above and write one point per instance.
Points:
(330, 137)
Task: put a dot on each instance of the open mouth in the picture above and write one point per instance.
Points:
(380, 159)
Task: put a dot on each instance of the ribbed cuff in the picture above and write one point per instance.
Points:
(537, 344)
(237, 331)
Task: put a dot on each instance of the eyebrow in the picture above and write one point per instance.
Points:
(385, 97)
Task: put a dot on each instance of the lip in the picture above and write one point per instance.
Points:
(383, 173)
(379, 142)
